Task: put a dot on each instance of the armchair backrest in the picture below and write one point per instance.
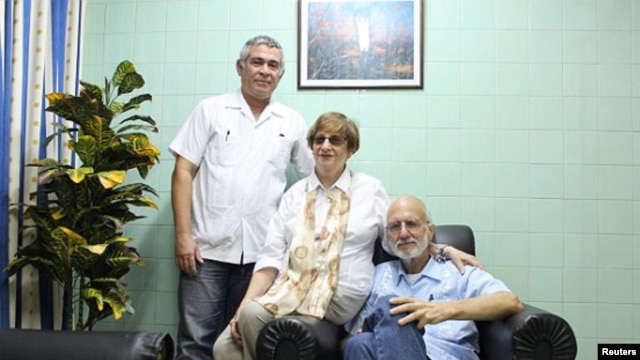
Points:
(459, 236)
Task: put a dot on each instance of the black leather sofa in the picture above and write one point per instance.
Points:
(533, 334)
(17, 344)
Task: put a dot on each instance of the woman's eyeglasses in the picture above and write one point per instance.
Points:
(334, 140)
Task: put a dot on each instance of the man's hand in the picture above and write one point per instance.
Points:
(461, 258)
(420, 311)
(187, 253)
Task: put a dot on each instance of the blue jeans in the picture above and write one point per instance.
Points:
(383, 339)
(206, 303)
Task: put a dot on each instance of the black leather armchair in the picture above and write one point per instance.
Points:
(17, 344)
(532, 334)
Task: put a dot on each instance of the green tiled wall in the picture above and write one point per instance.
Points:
(528, 129)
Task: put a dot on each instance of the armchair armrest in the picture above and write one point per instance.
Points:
(298, 338)
(71, 345)
(534, 334)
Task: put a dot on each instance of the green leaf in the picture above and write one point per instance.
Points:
(93, 91)
(87, 149)
(134, 102)
(130, 82)
(122, 70)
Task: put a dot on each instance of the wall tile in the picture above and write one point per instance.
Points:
(478, 45)
(614, 15)
(444, 14)
(580, 14)
(512, 46)
(512, 180)
(480, 111)
(615, 80)
(444, 181)
(546, 251)
(479, 213)
(478, 79)
(580, 251)
(581, 113)
(580, 80)
(545, 284)
(443, 78)
(512, 146)
(478, 146)
(546, 113)
(579, 147)
(545, 14)
(478, 14)
(583, 319)
(443, 111)
(512, 112)
(616, 217)
(443, 45)
(182, 15)
(615, 114)
(615, 182)
(443, 145)
(150, 16)
(615, 321)
(545, 45)
(580, 216)
(547, 181)
(546, 79)
(149, 47)
(580, 285)
(119, 17)
(512, 79)
(580, 47)
(546, 147)
(512, 215)
(512, 14)
(478, 180)
(615, 252)
(180, 47)
(546, 216)
(615, 148)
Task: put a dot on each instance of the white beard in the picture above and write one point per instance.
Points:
(418, 249)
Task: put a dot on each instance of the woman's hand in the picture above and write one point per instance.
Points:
(461, 258)
(233, 323)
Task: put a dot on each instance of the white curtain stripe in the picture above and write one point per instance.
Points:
(37, 69)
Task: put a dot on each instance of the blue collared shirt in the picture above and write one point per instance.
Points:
(438, 282)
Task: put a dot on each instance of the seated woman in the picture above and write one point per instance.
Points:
(317, 257)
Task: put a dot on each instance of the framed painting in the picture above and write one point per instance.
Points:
(360, 44)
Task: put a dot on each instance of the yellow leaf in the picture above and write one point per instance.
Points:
(96, 249)
(109, 179)
(78, 175)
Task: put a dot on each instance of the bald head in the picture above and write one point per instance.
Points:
(407, 205)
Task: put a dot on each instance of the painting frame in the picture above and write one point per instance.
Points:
(360, 44)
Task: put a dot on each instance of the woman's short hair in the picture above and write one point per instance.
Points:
(336, 123)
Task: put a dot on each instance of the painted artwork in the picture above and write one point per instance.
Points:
(360, 44)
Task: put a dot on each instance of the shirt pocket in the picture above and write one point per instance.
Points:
(227, 150)
(280, 154)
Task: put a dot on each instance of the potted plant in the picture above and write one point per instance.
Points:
(78, 213)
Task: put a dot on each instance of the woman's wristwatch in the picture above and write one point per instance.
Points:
(439, 255)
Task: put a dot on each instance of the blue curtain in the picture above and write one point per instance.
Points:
(40, 41)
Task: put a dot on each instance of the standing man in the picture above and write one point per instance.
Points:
(232, 154)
